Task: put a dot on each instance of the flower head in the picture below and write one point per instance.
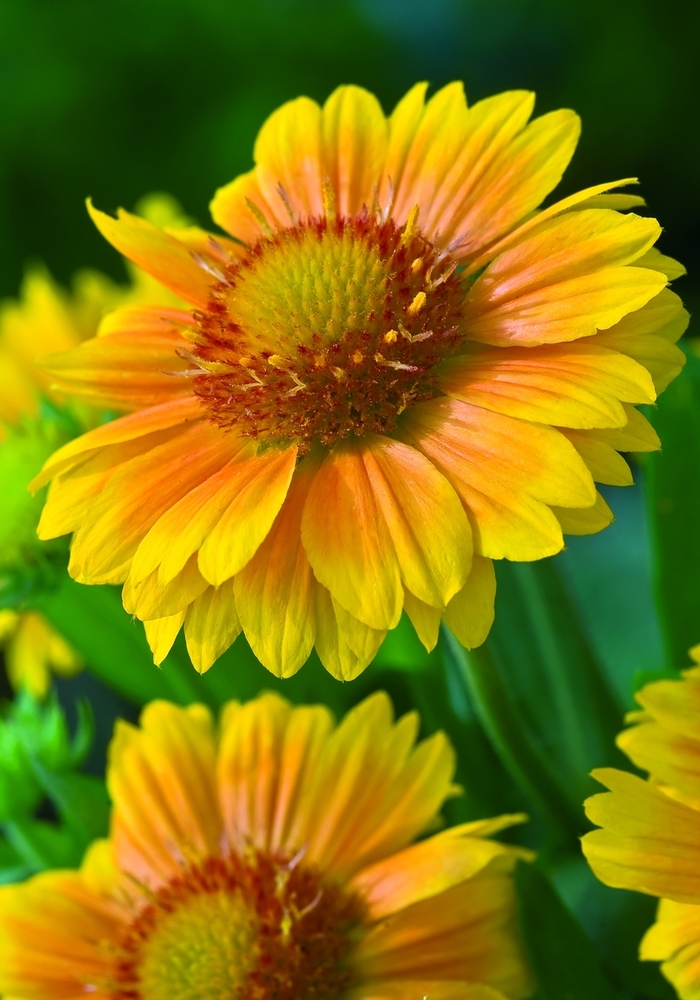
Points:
(34, 651)
(396, 369)
(650, 836)
(272, 860)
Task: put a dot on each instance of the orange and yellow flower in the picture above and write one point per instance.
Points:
(273, 859)
(396, 369)
(650, 836)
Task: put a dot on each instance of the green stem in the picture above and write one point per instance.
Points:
(504, 727)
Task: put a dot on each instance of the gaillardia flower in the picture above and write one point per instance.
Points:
(650, 836)
(396, 370)
(273, 861)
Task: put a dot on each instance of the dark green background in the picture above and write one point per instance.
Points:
(120, 97)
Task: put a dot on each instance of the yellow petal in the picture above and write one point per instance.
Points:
(648, 843)
(505, 471)
(565, 280)
(348, 542)
(345, 646)
(675, 940)
(161, 780)
(470, 613)
(167, 259)
(211, 625)
(585, 520)
(605, 464)
(261, 486)
(426, 521)
(288, 154)
(354, 141)
(275, 592)
(424, 870)
(161, 634)
(424, 618)
(573, 385)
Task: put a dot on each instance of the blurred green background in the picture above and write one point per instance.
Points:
(122, 97)
(117, 98)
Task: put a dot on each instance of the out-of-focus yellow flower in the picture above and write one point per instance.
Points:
(34, 651)
(401, 370)
(46, 319)
(273, 859)
(650, 836)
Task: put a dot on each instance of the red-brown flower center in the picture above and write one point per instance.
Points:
(327, 329)
(253, 928)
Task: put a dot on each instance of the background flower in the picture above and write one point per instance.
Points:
(273, 859)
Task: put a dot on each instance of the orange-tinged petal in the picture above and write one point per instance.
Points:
(211, 625)
(59, 910)
(135, 425)
(464, 933)
(268, 756)
(426, 521)
(354, 142)
(275, 592)
(429, 148)
(289, 157)
(648, 843)
(505, 471)
(161, 634)
(518, 179)
(565, 280)
(127, 370)
(72, 495)
(136, 496)
(260, 489)
(424, 618)
(163, 256)
(425, 869)
(348, 542)
(436, 989)
(470, 613)
(161, 780)
(568, 385)
(649, 336)
(180, 531)
(241, 210)
(585, 520)
(355, 812)
(491, 125)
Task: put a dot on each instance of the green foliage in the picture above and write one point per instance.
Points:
(39, 762)
(673, 489)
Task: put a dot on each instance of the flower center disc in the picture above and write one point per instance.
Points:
(327, 329)
(253, 928)
(199, 952)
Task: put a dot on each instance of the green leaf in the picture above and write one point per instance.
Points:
(80, 800)
(673, 494)
(504, 724)
(12, 868)
(43, 845)
(563, 958)
(93, 620)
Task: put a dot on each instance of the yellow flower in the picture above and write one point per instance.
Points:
(33, 651)
(650, 836)
(396, 371)
(273, 860)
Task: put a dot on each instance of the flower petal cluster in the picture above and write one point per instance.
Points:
(396, 369)
(650, 836)
(273, 858)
